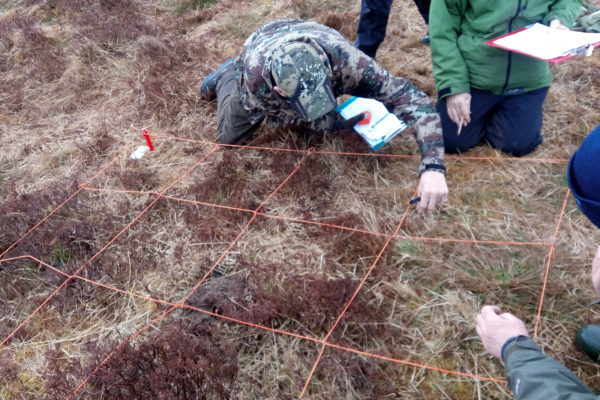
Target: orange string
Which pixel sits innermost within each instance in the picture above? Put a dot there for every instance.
(461, 157)
(547, 269)
(61, 205)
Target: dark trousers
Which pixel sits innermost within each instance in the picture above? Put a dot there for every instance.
(374, 15)
(510, 123)
(234, 123)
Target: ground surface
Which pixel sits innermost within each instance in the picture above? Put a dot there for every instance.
(269, 272)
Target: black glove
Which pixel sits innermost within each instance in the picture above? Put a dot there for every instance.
(346, 124)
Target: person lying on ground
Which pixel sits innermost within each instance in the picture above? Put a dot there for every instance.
(531, 374)
(290, 72)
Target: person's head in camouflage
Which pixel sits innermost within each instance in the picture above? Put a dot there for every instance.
(583, 176)
(300, 74)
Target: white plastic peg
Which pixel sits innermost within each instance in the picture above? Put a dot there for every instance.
(139, 152)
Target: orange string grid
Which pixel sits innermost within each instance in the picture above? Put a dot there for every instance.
(59, 288)
(238, 321)
(61, 205)
(349, 303)
(324, 341)
(206, 275)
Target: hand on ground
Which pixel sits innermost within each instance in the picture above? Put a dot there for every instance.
(495, 328)
(459, 109)
(432, 190)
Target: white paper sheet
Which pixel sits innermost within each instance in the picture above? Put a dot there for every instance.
(383, 125)
(547, 43)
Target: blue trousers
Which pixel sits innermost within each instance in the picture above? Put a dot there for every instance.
(374, 15)
(510, 123)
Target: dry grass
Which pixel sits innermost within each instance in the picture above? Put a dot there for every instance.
(78, 80)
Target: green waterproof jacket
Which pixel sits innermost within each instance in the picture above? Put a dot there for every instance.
(461, 59)
(532, 375)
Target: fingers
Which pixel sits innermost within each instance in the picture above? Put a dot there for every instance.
(433, 190)
(596, 281)
(423, 204)
(453, 113)
(596, 271)
(490, 311)
(465, 109)
(596, 262)
(429, 201)
(556, 24)
(459, 109)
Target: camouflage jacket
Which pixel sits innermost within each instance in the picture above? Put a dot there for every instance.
(351, 73)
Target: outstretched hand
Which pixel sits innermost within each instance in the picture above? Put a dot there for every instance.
(433, 190)
(495, 328)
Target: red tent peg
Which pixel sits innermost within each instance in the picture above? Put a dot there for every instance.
(146, 134)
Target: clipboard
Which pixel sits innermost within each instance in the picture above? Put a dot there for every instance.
(545, 43)
(379, 125)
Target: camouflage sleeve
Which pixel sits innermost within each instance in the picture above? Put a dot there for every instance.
(363, 77)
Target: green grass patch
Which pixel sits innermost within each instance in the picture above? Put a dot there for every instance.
(60, 256)
(183, 6)
(406, 248)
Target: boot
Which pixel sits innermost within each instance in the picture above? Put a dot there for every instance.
(588, 340)
(208, 87)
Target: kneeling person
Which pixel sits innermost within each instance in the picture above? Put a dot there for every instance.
(290, 72)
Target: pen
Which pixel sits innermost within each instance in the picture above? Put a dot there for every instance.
(459, 127)
(415, 200)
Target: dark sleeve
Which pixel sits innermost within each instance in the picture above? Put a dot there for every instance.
(532, 375)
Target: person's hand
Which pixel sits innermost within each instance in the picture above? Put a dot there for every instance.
(556, 24)
(495, 328)
(596, 271)
(432, 190)
(459, 109)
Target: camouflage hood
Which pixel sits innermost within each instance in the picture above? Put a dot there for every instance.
(300, 71)
(262, 54)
